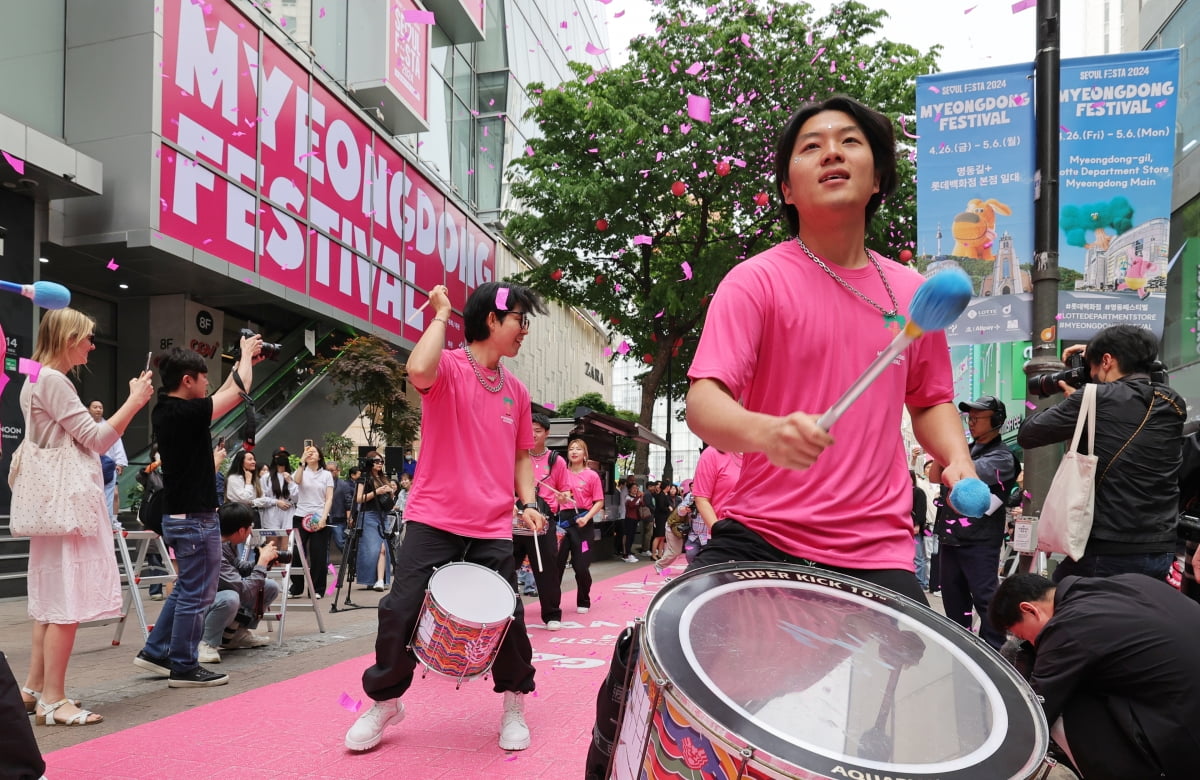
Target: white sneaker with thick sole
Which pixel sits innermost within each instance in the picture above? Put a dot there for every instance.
(514, 734)
(207, 654)
(553, 625)
(582, 610)
(367, 731)
(243, 639)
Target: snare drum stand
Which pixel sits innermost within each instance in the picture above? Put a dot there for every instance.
(347, 571)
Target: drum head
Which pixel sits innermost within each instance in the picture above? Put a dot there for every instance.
(834, 676)
(472, 593)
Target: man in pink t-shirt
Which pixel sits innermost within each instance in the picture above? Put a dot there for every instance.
(787, 332)
(550, 475)
(716, 476)
(476, 434)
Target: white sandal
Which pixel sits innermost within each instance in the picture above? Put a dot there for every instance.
(31, 706)
(46, 717)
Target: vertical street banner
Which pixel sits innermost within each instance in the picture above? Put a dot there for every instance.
(1116, 152)
(975, 157)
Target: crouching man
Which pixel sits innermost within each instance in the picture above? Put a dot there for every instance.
(243, 592)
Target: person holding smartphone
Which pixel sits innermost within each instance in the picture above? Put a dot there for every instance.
(314, 497)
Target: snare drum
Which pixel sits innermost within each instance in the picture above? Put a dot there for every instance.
(779, 671)
(465, 616)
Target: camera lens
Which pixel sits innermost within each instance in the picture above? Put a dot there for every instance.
(284, 557)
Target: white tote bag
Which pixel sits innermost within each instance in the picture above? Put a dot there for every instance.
(1066, 519)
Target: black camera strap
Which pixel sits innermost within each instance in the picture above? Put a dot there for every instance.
(250, 427)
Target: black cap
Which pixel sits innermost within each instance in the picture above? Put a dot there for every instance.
(985, 403)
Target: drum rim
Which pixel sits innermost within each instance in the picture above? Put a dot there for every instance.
(471, 623)
(712, 718)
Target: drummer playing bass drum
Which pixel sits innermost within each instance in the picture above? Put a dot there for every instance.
(471, 403)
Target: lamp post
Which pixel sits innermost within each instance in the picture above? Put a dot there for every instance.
(668, 473)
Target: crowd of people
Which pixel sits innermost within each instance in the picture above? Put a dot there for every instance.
(1100, 639)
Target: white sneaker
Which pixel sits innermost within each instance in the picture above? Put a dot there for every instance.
(630, 559)
(379, 585)
(514, 734)
(367, 731)
(582, 610)
(244, 638)
(208, 654)
(553, 625)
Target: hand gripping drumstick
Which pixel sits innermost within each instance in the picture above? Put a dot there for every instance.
(937, 303)
(47, 295)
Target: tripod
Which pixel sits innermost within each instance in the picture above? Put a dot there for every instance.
(347, 570)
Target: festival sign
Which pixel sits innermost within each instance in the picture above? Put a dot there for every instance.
(976, 191)
(408, 58)
(264, 167)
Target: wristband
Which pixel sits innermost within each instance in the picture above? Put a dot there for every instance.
(443, 320)
(528, 506)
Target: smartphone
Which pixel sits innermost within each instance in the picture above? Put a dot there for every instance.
(148, 356)
(308, 443)
(221, 442)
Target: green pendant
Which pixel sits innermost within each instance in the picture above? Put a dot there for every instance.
(893, 322)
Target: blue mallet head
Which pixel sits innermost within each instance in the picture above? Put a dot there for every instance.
(940, 300)
(50, 295)
(971, 497)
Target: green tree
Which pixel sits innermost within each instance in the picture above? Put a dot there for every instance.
(339, 449)
(599, 212)
(368, 374)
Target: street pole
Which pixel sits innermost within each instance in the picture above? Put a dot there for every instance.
(1040, 463)
(668, 473)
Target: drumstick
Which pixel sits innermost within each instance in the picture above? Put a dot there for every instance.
(537, 550)
(420, 309)
(937, 303)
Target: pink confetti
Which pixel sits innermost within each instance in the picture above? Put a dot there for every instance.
(969, 10)
(583, 547)
(30, 368)
(112, 265)
(17, 163)
(623, 347)
(1160, 104)
(414, 16)
(817, 56)
(904, 129)
(1063, 128)
(551, 407)
(695, 68)
(608, 352)
(593, 49)
(1030, 405)
(935, 89)
(502, 299)
(1022, 5)
(699, 108)
(321, 14)
(349, 703)
(641, 239)
(529, 150)
(660, 314)
(687, 270)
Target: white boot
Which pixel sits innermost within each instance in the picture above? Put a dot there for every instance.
(514, 734)
(367, 731)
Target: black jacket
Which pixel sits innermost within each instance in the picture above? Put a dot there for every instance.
(1119, 649)
(998, 467)
(1137, 490)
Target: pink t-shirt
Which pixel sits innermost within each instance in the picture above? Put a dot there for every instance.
(550, 480)
(716, 476)
(784, 337)
(585, 487)
(469, 443)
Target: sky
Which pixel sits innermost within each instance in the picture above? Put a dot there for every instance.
(973, 33)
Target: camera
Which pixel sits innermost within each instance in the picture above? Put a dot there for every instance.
(1076, 375)
(283, 557)
(269, 350)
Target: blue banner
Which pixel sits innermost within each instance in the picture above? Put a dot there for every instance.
(975, 165)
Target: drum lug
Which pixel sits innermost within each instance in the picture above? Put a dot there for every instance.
(746, 753)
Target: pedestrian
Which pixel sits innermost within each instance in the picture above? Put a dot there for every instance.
(550, 475)
(578, 511)
(181, 419)
(343, 503)
(1139, 440)
(470, 404)
(279, 486)
(634, 504)
(116, 454)
(314, 488)
(72, 579)
(970, 548)
(376, 500)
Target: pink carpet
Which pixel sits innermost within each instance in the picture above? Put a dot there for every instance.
(295, 728)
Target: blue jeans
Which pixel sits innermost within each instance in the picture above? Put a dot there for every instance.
(225, 608)
(196, 539)
(1154, 565)
(339, 535)
(921, 561)
(370, 542)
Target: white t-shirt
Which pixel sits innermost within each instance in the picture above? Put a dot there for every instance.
(311, 492)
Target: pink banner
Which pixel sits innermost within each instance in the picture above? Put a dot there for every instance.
(330, 209)
(408, 57)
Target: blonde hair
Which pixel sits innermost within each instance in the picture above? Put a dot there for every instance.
(60, 330)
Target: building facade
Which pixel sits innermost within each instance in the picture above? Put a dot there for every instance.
(304, 169)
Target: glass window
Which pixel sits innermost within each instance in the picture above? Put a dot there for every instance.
(461, 81)
(492, 91)
(434, 147)
(490, 173)
(462, 155)
(328, 34)
(492, 53)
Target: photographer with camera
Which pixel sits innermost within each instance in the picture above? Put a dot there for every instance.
(243, 591)
(1139, 435)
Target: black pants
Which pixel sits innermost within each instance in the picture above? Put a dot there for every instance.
(578, 545)
(547, 576)
(19, 754)
(970, 576)
(629, 533)
(316, 547)
(424, 549)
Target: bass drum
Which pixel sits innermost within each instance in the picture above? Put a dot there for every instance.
(783, 671)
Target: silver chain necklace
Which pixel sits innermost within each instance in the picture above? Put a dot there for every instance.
(889, 317)
(490, 387)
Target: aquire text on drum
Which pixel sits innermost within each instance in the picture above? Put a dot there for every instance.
(825, 582)
(858, 774)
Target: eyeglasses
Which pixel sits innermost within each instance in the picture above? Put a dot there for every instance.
(377, 460)
(524, 318)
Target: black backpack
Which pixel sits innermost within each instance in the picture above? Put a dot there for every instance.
(150, 511)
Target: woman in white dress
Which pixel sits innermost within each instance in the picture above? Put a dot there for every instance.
(242, 485)
(280, 488)
(72, 579)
